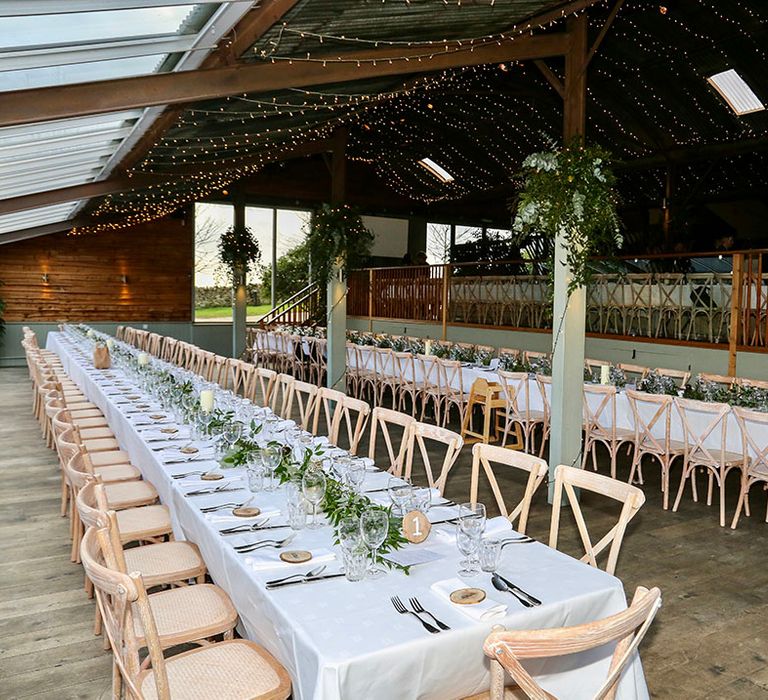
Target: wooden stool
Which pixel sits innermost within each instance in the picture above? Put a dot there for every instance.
(487, 395)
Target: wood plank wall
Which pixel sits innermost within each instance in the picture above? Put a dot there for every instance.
(85, 275)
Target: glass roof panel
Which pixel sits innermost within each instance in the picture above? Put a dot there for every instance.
(36, 217)
(71, 28)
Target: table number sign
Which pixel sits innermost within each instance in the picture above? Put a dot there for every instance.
(416, 526)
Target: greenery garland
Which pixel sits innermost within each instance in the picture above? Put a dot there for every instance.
(337, 233)
(570, 191)
(239, 251)
(2, 315)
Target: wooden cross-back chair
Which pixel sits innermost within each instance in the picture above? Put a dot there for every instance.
(120, 332)
(154, 344)
(418, 434)
(567, 479)
(702, 419)
(429, 386)
(280, 401)
(353, 369)
(318, 359)
(508, 649)
(382, 421)
(600, 424)
(303, 396)
(240, 376)
(485, 456)
(451, 383)
(723, 379)
(386, 375)
(753, 426)
(220, 371)
(406, 378)
(652, 417)
(544, 383)
(755, 383)
(680, 376)
(635, 373)
(365, 358)
(326, 404)
(518, 415)
(261, 386)
(242, 667)
(350, 419)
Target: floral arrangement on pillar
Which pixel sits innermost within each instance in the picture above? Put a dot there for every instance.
(239, 253)
(337, 234)
(569, 190)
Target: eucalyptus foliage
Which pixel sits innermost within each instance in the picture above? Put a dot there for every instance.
(570, 191)
(239, 250)
(337, 234)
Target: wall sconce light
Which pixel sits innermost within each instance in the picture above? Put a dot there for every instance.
(45, 278)
(124, 279)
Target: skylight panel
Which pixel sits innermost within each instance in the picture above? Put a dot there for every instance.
(739, 96)
(437, 170)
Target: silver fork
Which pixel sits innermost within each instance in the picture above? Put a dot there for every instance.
(403, 611)
(264, 544)
(419, 608)
(221, 506)
(310, 574)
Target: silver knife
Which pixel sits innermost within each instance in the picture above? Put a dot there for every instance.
(533, 600)
(302, 580)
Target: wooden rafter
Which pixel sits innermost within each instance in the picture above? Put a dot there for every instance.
(61, 102)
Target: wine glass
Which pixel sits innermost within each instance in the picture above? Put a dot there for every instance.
(468, 544)
(421, 499)
(271, 455)
(313, 486)
(374, 525)
(355, 474)
(400, 491)
(349, 534)
(232, 432)
(472, 518)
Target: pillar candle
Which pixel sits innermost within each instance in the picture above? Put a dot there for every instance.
(206, 400)
(427, 347)
(110, 344)
(605, 374)
(143, 359)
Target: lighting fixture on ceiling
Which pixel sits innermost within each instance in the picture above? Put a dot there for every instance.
(437, 170)
(732, 88)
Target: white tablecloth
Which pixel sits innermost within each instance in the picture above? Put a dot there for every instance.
(345, 640)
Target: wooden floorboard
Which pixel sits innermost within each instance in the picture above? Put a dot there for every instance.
(710, 639)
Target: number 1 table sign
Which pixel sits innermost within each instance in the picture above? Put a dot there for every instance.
(416, 526)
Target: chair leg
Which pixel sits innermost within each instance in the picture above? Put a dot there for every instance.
(686, 472)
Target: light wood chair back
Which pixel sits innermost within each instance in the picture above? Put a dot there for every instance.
(718, 379)
(652, 417)
(702, 419)
(280, 401)
(753, 426)
(567, 479)
(418, 434)
(451, 383)
(754, 383)
(600, 410)
(484, 455)
(382, 421)
(327, 403)
(532, 356)
(636, 373)
(680, 376)
(262, 384)
(154, 344)
(304, 395)
(241, 376)
(349, 423)
(507, 649)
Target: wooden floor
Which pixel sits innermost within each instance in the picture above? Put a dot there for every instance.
(710, 639)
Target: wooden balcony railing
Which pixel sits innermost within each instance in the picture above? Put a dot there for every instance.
(706, 298)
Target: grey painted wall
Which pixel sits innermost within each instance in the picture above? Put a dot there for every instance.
(656, 354)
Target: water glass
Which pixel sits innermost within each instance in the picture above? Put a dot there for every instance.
(313, 486)
(468, 544)
(400, 491)
(297, 515)
(374, 526)
(356, 562)
(472, 518)
(489, 554)
(349, 534)
(256, 474)
(355, 474)
(421, 499)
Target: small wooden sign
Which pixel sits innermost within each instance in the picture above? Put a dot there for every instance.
(468, 596)
(416, 526)
(249, 512)
(298, 556)
(212, 476)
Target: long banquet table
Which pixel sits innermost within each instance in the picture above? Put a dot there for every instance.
(345, 640)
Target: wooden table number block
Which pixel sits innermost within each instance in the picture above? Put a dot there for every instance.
(416, 526)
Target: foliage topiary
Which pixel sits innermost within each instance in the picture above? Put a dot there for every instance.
(239, 251)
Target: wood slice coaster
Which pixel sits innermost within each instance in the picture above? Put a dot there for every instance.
(212, 476)
(169, 431)
(189, 450)
(468, 596)
(132, 397)
(416, 526)
(142, 405)
(298, 556)
(156, 416)
(248, 512)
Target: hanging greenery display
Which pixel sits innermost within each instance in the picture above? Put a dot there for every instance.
(337, 233)
(2, 314)
(570, 191)
(239, 251)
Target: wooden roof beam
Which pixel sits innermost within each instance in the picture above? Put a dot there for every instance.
(61, 102)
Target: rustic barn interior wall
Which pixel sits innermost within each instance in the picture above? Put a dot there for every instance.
(142, 273)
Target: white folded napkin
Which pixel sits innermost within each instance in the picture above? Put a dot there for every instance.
(269, 558)
(181, 433)
(222, 519)
(198, 483)
(488, 610)
(493, 527)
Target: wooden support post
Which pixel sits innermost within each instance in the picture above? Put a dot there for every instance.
(669, 193)
(240, 292)
(734, 327)
(371, 276)
(273, 295)
(569, 310)
(445, 299)
(337, 286)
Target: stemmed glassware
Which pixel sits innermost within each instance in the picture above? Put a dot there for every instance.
(401, 492)
(270, 457)
(313, 485)
(355, 474)
(471, 524)
(374, 525)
